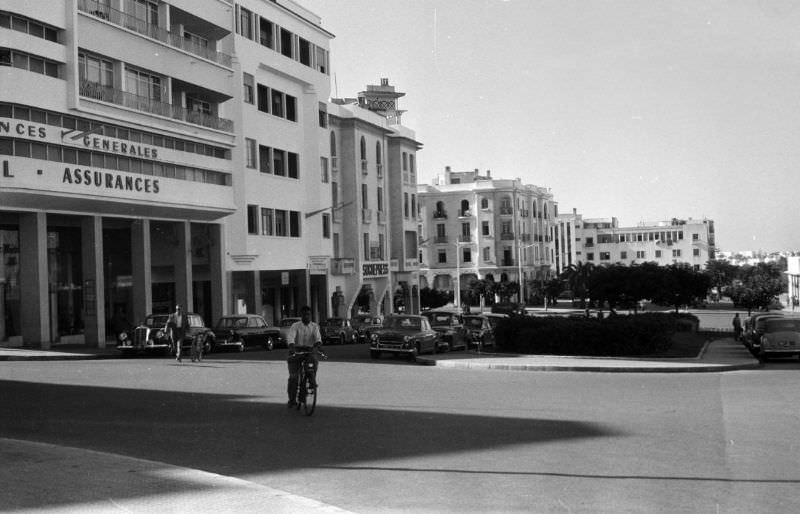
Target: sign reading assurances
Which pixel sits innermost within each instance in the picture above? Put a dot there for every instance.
(374, 269)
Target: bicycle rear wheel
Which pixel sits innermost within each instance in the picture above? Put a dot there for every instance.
(310, 400)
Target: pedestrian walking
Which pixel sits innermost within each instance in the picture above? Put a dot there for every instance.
(176, 328)
(737, 327)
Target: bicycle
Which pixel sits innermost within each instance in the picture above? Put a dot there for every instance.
(307, 386)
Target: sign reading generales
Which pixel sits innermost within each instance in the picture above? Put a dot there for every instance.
(374, 269)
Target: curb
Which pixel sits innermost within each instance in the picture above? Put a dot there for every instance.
(703, 368)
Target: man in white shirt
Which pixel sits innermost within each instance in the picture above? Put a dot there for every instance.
(303, 336)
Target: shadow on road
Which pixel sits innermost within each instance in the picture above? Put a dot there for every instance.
(243, 435)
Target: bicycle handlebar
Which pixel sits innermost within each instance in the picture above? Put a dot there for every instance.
(307, 352)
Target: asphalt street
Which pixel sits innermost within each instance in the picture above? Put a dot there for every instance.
(390, 436)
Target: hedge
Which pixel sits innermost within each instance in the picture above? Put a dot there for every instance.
(636, 335)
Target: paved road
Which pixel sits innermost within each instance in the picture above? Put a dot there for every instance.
(390, 436)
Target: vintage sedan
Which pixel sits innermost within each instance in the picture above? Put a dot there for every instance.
(284, 326)
(754, 328)
(780, 338)
(364, 323)
(151, 335)
(337, 330)
(453, 335)
(403, 334)
(481, 330)
(239, 331)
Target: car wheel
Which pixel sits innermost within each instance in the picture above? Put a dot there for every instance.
(270, 344)
(375, 354)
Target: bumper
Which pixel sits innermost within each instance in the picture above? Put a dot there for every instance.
(228, 343)
(405, 348)
(149, 345)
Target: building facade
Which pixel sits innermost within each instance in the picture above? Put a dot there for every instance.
(603, 241)
(473, 226)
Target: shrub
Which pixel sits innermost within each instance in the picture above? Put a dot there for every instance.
(641, 334)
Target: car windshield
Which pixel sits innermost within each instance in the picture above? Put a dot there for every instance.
(195, 321)
(438, 318)
(232, 323)
(474, 322)
(407, 323)
(783, 325)
(156, 321)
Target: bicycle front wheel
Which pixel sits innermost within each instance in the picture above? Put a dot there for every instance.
(310, 401)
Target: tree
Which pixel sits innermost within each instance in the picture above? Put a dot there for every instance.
(757, 287)
(505, 290)
(577, 279)
(681, 285)
(432, 298)
(721, 274)
(483, 288)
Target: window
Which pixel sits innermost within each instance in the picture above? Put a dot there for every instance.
(144, 10)
(442, 256)
(326, 225)
(676, 253)
(286, 43)
(413, 204)
(263, 159)
(294, 224)
(291, 108)
(696, 252)
(294, 166)
(467, 255)
(278, 162)
(263, 98)
(365, 239)
(143, 84)
(323, 118)
(280, 223)
(412, 169)
(250, 152)
(322, 60)
(249, 89)
(484, 203)
(380, 199)
(31, 27)
(605, 256)
(252, 219)
(485, 228)
(96, 69)
(405, 161)
(267, 221)
(695, 237)
(323, 168)
(277, 103)
(487, 253)
(363, 148)
(266, 33)
(440, 230)
(364, 197)
(658, 254)
(245, 23)
(623, 255)
(305, 51)
(590, 256)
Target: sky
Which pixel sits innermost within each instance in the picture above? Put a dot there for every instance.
(640, 110)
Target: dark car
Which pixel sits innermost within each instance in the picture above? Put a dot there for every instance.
(453, 335)
(337, 330)
(151, 335)
(364, 323)
(239, 331)
(780, 338)
(480, 328)
(403, 334)
(754, 328)
(284, 326)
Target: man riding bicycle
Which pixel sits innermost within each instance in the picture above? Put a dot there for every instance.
(303, 336)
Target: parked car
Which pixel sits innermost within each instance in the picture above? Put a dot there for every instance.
(754, 329)
(509, 308)
(364, 323)
(151, 335)
(403, 334)
(238, 331)
(337, 330)
(284, 326)
(480, 329)
(780, 338)
(453, 335)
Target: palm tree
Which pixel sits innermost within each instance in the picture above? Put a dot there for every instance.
(577, 279)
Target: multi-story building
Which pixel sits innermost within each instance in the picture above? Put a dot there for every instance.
(603, 241)
(154, 153)
(474, 226)
(373, 187)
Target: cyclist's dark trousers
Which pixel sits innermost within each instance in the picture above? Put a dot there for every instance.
(295, 361)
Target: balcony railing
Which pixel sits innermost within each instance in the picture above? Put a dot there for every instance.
(335, 164)
(507, 236)
(366, 215)
(103, 11)
(465, 238)
(364, 166)
(379, 168)
(441, 239)
(466, 213)
(524, 213)
(96, 91)
(506, 211)
(439, 215)
(382, 217)
(507, 262)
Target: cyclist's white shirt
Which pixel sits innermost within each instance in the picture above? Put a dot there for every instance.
(301, 334)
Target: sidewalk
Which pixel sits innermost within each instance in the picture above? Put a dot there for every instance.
(718, 355)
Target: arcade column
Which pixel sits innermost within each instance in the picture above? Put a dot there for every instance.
(94, 306)
(141, 269)
(35, 300)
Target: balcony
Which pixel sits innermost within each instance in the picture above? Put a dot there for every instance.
(364, 169)
(465, 238)
(507, 236)
(382, 217)
(441, 239)
(439, 215)
(173, 39)
(525, 237)
(96, 91)
(465, 213)
(335, 164)
(506, 211)
(524, 213)
(366, 215)
(507, 262)
(379, 168)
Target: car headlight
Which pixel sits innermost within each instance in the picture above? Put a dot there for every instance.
(374, 338)
(160, 334)
(123, 336)
(406, 339)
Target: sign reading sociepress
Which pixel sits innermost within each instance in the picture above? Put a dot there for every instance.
(374, 269)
